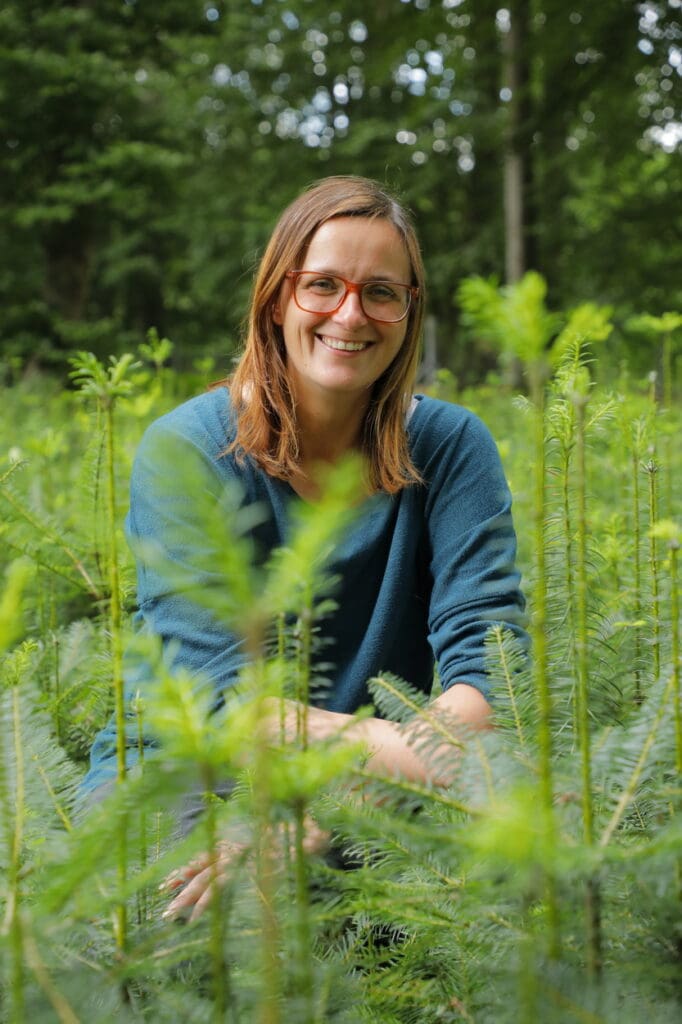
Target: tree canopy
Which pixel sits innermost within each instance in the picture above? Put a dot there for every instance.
(150, 147)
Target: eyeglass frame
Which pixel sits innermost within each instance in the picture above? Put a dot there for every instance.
(356, 288)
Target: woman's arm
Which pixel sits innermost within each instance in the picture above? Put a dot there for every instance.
(394, 749)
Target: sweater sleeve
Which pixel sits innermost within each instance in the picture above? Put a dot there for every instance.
(183, 504)
(180, 525)
(472, 548)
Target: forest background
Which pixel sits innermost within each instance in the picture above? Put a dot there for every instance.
(148, 148)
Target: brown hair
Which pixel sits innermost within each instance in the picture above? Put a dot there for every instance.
(266, 418)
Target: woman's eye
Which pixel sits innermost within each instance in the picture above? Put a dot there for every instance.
(380, 292)
(323, 284)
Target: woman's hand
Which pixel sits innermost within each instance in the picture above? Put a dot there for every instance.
(199, 879)
(202, 877)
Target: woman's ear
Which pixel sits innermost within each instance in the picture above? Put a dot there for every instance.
(277, 314)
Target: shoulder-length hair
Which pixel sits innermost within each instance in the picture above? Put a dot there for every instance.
(266, 427)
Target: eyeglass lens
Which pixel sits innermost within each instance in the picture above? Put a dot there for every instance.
(380, 300)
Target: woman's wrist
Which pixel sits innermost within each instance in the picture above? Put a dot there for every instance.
(389, 748)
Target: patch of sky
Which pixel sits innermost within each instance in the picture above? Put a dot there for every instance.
(221, 74)
(357, 30)
(290, 20)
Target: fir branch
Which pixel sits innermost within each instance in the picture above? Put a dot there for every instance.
(53, 796)
(398, 690)
(51, 535)
(505, 658)
(413, 789)
(630, 789)
(58, 1001)
(27, 552)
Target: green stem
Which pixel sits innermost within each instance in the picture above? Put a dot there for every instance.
(97, 493)
(303, 935)
(637, 544)
(581, 638)
(675, 638)
(652, 469)
(540, 655)
(592, 889)
(17, 996)
(677, 701)
(269, 1011)
(142, 896)
(281, 655)
(57, 688)
(303, 938)
(115, 598)
(217, 938)
(528, 972)
(568, 539)
(121, 924)
(303, 674)
(669, 437)
(271, 987)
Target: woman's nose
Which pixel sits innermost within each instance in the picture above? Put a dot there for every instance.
(350, 312)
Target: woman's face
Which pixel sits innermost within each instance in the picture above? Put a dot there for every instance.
(341, 354)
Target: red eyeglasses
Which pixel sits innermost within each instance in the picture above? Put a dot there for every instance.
(387, 302)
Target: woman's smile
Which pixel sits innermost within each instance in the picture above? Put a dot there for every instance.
(341, 345)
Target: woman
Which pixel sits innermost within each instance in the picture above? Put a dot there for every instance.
(329, 368)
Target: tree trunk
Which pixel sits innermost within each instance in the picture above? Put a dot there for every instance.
(516, 155)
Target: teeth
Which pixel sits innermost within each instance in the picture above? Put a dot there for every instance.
(343, 346)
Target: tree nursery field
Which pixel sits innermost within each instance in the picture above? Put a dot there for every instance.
(544, 883)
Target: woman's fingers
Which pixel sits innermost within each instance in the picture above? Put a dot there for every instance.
(200, 878)
(180, 876)
(197, 892)
(205, 898)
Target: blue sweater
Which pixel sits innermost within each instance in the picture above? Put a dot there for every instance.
(422, 574)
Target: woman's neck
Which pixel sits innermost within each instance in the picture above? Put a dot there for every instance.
(326, 434)
(329, 430)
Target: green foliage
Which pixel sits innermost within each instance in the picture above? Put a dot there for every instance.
(106, 384)
(157, 350)
(10, 603)
(445, 911)
(515, 317)
(647, 324)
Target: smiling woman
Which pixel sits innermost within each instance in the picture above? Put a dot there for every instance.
(298, 403)
(328, 368)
